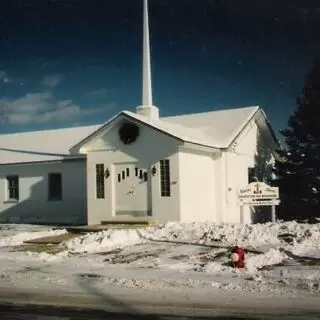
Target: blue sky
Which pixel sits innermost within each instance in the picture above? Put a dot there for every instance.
(67, 63)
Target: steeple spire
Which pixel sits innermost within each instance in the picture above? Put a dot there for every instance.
(147, 85)
(147, 109)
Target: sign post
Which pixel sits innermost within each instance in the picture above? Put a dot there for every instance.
(241, 214)
(273, 213)
(259, 194)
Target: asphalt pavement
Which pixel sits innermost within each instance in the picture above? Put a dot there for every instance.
(44, 312)
(113, 303)
(24, 312)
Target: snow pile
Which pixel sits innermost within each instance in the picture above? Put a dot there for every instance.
(162, 257)
(48, 257)
(308, 244)
(19, 238)
(103, 240)
(300, 237)
(6, 227)
(156, 284)
(272, 257)
(180, 266)
(208, 233)
(214, 267)
(310, 282)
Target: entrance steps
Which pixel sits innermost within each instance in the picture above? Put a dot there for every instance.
(144, 221)
(115, 223)
(51, 239)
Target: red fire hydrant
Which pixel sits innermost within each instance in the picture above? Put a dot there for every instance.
(238, 255)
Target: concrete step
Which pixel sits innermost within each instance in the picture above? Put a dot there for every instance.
(51, 240)
(129, 221)
(104, 227)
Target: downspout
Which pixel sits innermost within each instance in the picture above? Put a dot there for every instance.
(226, 182)
(222, 186)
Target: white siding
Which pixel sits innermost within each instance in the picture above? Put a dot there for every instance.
(237, 161)
(150, 147)
(33, 205)
(253, 147)
(204, 185)
(197, 187)
(220, 186)
(167, 208)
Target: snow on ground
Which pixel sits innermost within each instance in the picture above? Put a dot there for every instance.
(273, 239)
(302, 239)
(12, 235)
(257, 235)
(282, 258)
(104, 240)
(272, 257)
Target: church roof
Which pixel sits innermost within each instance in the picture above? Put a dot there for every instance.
(220, 127)
(216, 129)
(38, 146)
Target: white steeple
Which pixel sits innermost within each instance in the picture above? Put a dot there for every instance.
(147, 109)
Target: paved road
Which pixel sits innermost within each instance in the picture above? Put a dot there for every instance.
(26, 304)
(30, 312)
(36, 312)
(27, 312)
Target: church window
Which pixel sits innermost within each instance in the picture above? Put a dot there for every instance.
(55, 186)
(165, 178)
(100, 181)
(252, 175)
(13, 187)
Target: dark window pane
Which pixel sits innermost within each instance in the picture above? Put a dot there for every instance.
(55, 186)
(251, 175)
(165, 178)
(100, 181)
(13, 187)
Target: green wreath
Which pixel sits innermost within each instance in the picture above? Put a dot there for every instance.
(128, 132)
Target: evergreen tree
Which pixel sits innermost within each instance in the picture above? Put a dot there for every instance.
(298, 166)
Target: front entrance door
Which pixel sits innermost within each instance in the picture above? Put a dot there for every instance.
(132, 190)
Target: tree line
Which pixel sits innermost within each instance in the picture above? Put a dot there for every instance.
(297, 165)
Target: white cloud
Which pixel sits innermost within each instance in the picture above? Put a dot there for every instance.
(98, 93)
(51, 81)
(3, 74)
(43, 108)
(4, 77)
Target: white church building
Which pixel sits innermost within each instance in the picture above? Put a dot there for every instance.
(137, 164)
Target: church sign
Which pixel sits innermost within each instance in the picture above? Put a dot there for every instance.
(259, 194)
